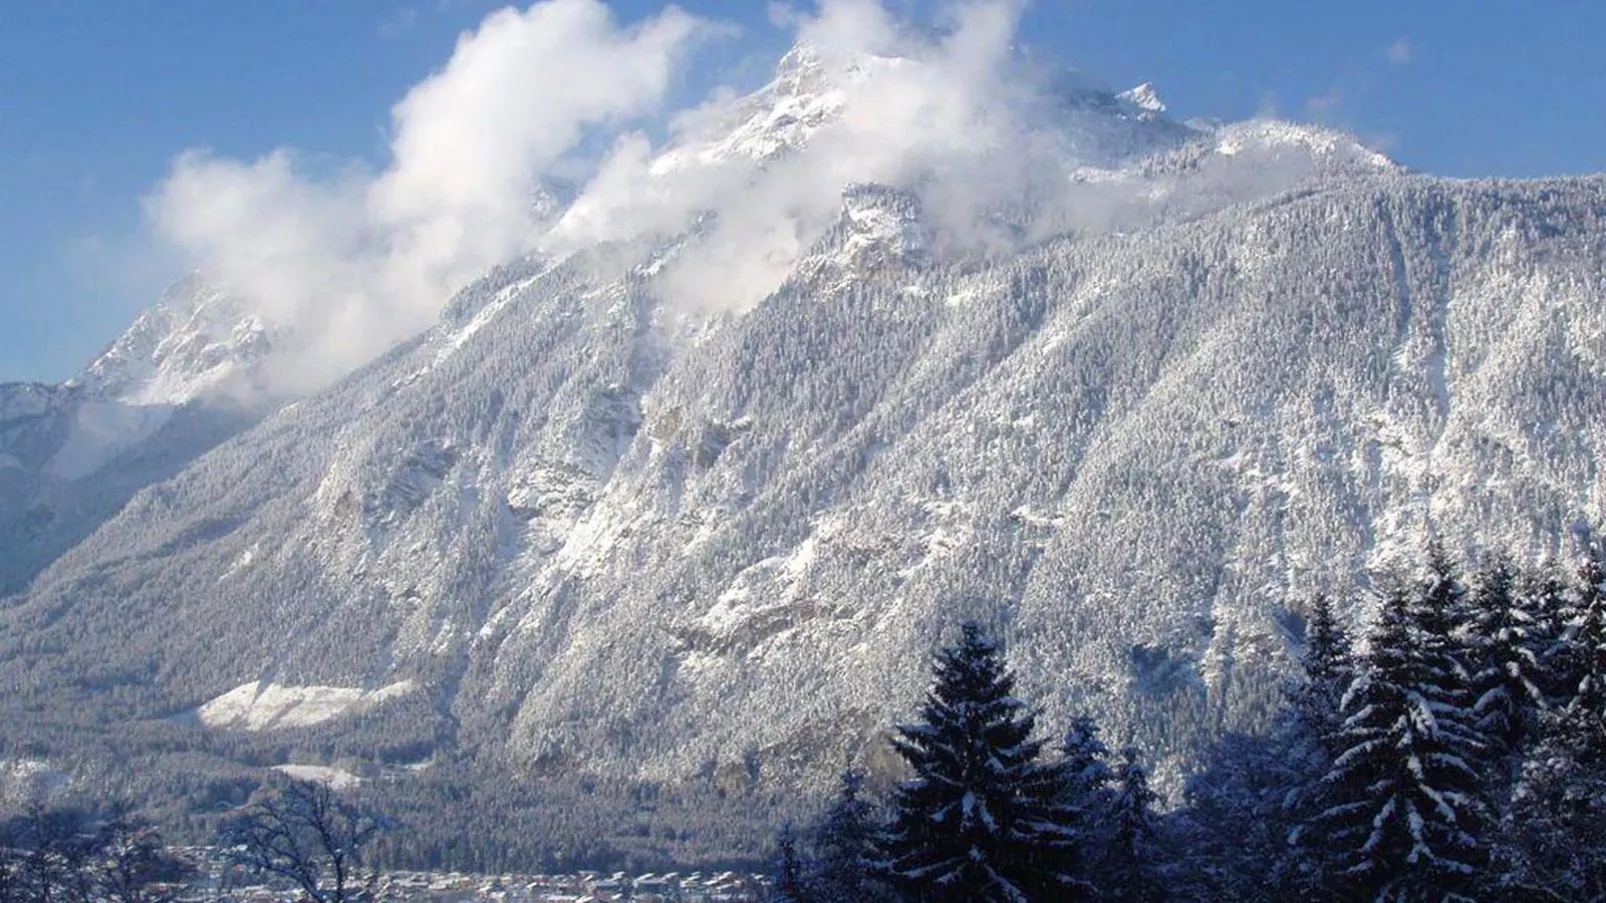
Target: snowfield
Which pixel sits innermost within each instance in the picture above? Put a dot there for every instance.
(256, 706)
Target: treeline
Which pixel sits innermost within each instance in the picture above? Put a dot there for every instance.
(1456, 751)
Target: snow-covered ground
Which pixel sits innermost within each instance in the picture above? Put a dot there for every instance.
(256, 706)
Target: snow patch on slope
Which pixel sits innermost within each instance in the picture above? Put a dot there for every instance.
(257, 706)
(28, 781)
(336, 778)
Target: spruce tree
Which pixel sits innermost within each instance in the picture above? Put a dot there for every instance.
(790, 873)
(1328, 667)
(1085, 760)
(1086, 796)
(1558, 807)
(844, 847)
(1305, 745)
(1548, 601)
(1327, 661)
(1441, 612)
(1405, 808)
(980, 820)
(1579, 660)
(1131, 868)
(1505, 648)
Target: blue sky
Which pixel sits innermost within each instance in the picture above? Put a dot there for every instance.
(97, 98)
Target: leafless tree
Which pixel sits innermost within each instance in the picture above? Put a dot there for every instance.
(76, 856)
(53, 854)
(307, 835)
(134, 865)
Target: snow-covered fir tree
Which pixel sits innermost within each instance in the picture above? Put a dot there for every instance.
(1555, 838)
(1328, 667)
(1087, 787)
(1579, 661)
(981, 819)
(844, 848)
(1588, 636)
(1406, 809)
(1305, 744)
(1442, 612)
(1506, 644)
(1086, 797)
(1130, 871)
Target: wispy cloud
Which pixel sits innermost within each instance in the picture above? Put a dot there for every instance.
(342, 266)
(1401, 52)
(949, 113)
(398, 22)
(1324, 108)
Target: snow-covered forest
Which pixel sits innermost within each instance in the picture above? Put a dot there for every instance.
(1455, 751)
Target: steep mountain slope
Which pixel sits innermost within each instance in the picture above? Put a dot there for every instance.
(164, 391)
(598, 534)
(582, 528)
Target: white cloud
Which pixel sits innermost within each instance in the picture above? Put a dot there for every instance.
(343, 266)
(886, 104)
(1400, 52)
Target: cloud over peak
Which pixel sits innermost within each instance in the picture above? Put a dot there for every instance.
(343, 266)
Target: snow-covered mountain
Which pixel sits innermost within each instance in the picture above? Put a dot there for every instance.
(582, 527)
(174, 384)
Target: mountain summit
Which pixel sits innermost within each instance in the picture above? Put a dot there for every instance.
(176, 382)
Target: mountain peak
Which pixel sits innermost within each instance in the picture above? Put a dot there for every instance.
(195, 339)
(1144, 97)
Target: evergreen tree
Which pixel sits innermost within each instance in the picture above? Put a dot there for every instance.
(1309, 732)
(1086, 797)
(980, 820)
(1305, 746)
(1505, 648)
(1557, 833)
(1580, 656)
(1548, 601)
(1131, 869)
(1441, 612)
(1085, 761)
(844, 847)
(790, 873)
(1405, 811)
(1327, 666)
